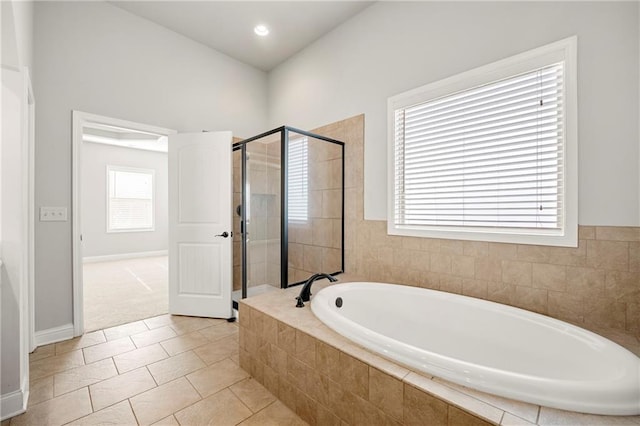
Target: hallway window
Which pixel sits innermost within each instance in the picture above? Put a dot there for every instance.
(130, 200)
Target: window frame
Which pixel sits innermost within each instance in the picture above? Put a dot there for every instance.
(115, 168)
(567, 236)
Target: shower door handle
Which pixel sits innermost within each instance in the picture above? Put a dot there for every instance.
(225, 234)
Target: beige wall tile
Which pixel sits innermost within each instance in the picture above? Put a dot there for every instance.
(451, 284)
(633, 318)
(551, 277)
(605, 312)
(453, 247)
(287, 392)
(440, 263)
(326, 417)
(164, 400)
(286, 338)
(503, 251)
(305, 348)
(332, 203)
(421, 408)
(533, 253)
(463, 266)
(457, 417)
(634, 256)
(618, 233)
(501, 292)
(386, 392)
(586, 232)
(588, 282)
(475, 288)
(608, 255)
(622, 285)
(354, 375)
(517, 273)
(532, 299)
(312, 258)
(306, 408)
(566, 306)
(475, 248)
(488, 269)
(328, 360)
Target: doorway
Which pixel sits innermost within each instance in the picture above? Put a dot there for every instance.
(120, 225)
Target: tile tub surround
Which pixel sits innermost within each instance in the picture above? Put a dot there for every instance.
(327, 379)
(596, 285)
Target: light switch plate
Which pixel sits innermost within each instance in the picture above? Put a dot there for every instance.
(53, 214)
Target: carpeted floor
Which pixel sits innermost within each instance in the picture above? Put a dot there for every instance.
(124, 291)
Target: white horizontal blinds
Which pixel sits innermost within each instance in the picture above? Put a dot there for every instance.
(130, 200)
(490, 156)
(298, 181)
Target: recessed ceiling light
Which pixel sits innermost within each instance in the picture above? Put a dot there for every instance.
(261, 30)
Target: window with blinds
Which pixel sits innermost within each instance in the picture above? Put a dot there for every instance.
(298, 182)
(130, 199)
(487, 158)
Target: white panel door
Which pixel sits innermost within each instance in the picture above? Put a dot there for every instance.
(200, 243)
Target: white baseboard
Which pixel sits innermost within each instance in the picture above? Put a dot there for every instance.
(112, 257)
(13, 403)
(53, 335)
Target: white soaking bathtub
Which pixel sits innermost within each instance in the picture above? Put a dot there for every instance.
(487, 346)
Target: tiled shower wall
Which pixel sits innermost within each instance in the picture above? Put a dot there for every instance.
(314, 245)
(595, 285)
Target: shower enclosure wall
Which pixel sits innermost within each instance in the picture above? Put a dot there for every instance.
(288, 189)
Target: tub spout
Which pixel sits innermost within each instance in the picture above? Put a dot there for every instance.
(305, 293)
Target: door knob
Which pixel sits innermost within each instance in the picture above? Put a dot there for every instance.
(225, 234)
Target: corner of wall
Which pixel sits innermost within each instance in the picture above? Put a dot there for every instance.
(14, 403)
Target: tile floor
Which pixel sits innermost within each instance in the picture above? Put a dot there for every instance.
(165, 370)
(123, 291)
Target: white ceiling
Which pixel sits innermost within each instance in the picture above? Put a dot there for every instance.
(227, 26)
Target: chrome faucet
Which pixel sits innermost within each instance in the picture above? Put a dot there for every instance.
(305, 293)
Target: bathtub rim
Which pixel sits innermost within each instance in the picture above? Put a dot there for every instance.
(325, 296)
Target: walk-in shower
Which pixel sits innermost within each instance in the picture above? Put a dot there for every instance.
(288, 189)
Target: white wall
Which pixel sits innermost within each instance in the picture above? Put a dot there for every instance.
(394, 46)
(16, 53)
(97, 58)
(96, 241)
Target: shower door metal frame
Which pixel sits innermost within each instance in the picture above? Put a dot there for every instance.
(284, 199)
